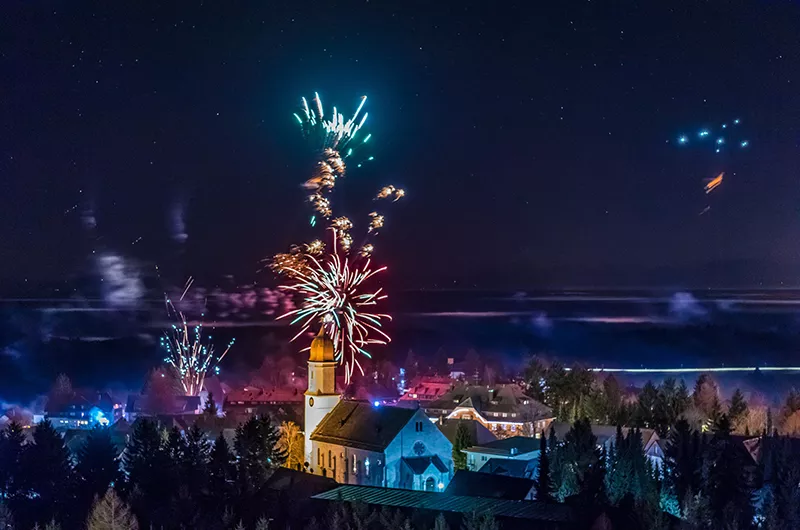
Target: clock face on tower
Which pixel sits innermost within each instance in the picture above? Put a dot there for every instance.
(311, 402)
(419, 448)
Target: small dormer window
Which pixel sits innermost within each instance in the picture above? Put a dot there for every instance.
(514, 450)
(525, 402)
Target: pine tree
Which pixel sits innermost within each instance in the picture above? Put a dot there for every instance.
(150, 474)
(46, 478)
(727, 484)
(543, 486)
(463, 440)
(257, 449)
(646, 406)
(194, 465)
(110, 513)
(737, 412)
(439, 524)
(262, 524)
(573, 459)
(683, 459)
(12, 440)
(221, 471)
(97, 466)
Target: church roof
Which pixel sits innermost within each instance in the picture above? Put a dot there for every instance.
(419, 464)
(360, 425)
(424, 500)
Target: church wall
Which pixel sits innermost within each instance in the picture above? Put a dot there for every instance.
(433, 443)
(333, 464)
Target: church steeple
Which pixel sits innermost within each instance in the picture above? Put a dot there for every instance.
(322, 349)
(321, 395)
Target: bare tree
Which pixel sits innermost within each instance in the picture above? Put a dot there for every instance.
(110, 513)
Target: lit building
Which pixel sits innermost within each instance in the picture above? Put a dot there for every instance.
(503, 409)
(83, 410)
(364, 443)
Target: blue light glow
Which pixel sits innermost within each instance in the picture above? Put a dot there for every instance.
(682, 139)
(376, 403)
(720, 141)
(744, 144)
(704, 133)
(736, 121)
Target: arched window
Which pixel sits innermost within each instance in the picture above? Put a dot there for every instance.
(430, 484)
(366, 467)
(319, 458)
(329, 458)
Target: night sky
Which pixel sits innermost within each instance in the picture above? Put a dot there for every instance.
(536, 141)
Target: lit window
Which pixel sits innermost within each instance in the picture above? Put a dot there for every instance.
(505, 414)
(355, 465)
(366, 466)
(513, 414)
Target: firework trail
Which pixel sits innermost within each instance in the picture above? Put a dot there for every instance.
(331, 282)
(188, 353)
(334, 294)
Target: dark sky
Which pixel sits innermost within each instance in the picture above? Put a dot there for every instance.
(535, 140)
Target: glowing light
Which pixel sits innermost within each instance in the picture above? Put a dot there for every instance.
(704, 133)
(683, 139)
(376, 403)
(736, 121)
(745, 143)
(720, 141)
(367, 137)
(188, 353)
(313, 221)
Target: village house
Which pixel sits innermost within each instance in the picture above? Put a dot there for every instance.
(503, 409)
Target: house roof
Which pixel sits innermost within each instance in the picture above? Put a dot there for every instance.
(424, 500)
(300, 484)
(81, 400)
(604, 433)
(428, 389)
(510, 467)
(507, 446)
(472, 483)
(359, 425)
(419, 464)
(477, 432)
(499, 398)
(252, 394)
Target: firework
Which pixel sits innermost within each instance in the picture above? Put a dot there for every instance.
(375, 222)
(334, 293)
(332, 282)
(190, 354)
(713, 183)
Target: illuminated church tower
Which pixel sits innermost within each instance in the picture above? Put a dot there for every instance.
(321, 395)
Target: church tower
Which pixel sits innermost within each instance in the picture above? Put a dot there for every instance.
(321, 395)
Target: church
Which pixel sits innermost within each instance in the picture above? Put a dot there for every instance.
(361, 443)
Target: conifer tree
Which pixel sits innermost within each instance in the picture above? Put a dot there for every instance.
(12, 440)
(462, 441)
(149, 470)
(257, 452)
(46, 478)
(97, 466)
(544, 488)
(737, 412)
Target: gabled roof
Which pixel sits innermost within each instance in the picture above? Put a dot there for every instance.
(477, 432)
(511, 467)
(472, 483)
(298, 483)
(359, 425)
(418, 464)
(438, 502)
(506, 398)
(507, 446)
